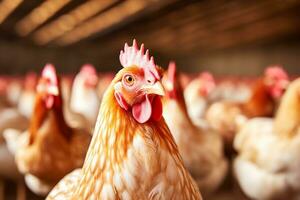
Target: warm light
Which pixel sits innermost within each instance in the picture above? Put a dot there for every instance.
(103, 21)
(68, 21)
(7, 7)
(39, 15)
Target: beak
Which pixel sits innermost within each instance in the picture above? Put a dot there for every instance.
(53, 90)
(157, 88)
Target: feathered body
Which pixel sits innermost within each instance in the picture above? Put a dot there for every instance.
(201, 148)
(268, 162)
(131, 156)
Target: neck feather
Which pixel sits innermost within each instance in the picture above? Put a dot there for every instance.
(260, 102)
(113, 136)
(41, 114)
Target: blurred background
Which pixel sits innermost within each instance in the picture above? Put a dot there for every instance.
(225, 37)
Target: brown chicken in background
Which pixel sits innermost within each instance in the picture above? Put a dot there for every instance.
(201, 148)
(49, 149)
(132, 154)
(226, 117)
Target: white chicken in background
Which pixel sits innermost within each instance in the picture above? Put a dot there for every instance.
(75, 120)
(197, 97)
(201, 149)
(84, 98)
(17, 118)
(26, 100)
(232, 90)
(268, 161)
(14, 90)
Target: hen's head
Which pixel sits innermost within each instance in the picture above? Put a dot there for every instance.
(137, 87)
(207, 83)
(89, 75)
(276, 80)
(48, 87)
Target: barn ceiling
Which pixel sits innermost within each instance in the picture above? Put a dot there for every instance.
(170, 28)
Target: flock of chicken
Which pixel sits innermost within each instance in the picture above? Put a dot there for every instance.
(156, 135)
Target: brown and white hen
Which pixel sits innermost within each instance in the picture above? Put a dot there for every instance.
(132, 154)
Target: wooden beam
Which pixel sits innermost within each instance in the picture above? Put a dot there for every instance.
(120, 13)
(7, 7)
(201, 33)
(39, 15)
(70, 20)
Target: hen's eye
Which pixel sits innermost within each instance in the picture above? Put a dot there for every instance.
(129, 80)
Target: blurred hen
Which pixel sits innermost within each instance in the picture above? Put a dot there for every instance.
(49, 149)
(268, 162)
(226, 117)
(201, 149)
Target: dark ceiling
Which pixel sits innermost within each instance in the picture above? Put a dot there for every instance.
(176, 29)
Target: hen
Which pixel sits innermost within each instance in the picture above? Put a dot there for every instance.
(201, 149)
(268, 162)
(132, 154)
(16, 118)
(73, 119)
(197, 95)
(84, 98)
(26, 99)
(226, 117)
(49, 149)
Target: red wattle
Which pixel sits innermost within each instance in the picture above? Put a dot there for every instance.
(150, 108)
(49, 101)
(142, 111)
(157, 108)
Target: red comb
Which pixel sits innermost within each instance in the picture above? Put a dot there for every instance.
(132, 55)
(276, 70)
(49, 72)
(88, 69)
(207, 76)
(209, 83)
